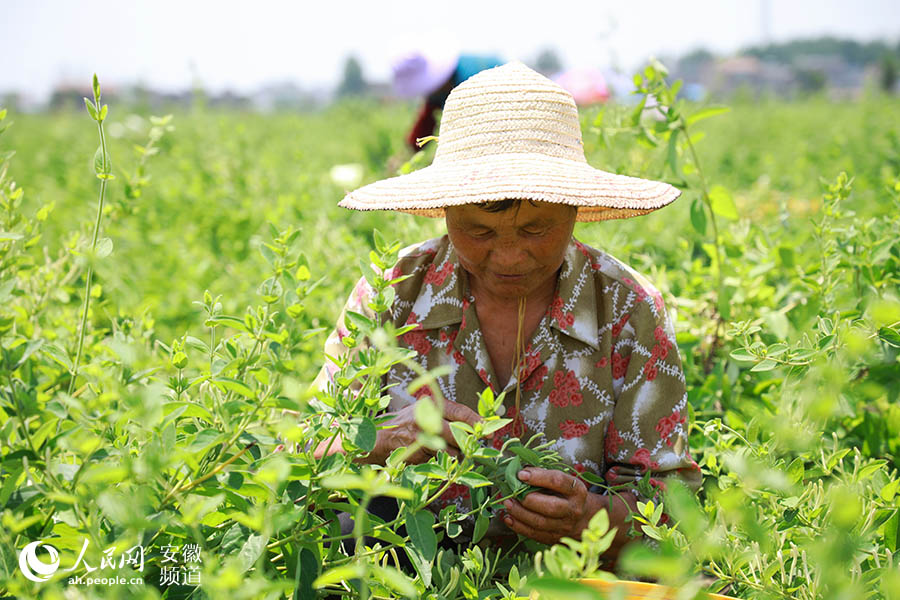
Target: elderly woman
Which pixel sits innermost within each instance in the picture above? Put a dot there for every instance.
(598, 372)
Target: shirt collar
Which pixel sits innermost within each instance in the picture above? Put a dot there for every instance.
(574, 309)
(573, 312)
(440, 299)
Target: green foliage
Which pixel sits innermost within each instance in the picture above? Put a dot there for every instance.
(154, 384)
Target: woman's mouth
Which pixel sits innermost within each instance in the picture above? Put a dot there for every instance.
(509, 276)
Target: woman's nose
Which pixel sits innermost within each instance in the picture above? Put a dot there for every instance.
(508, 255)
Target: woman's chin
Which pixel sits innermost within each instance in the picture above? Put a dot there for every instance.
(511, 287)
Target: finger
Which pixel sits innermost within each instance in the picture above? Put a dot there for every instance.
(554, 480)
(454, 453)
(533, 519)
(418, 457)
(454, 411)
(549, 506)
(523, 529)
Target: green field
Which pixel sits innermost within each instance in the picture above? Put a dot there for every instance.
(788, 324)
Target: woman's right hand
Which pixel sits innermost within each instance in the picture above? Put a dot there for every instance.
(402, 431)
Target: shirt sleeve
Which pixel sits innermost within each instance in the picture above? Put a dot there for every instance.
(649, 429)
(335, 345)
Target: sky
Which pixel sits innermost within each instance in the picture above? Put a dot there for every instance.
(242, 45)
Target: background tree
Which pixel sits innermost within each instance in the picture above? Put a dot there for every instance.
(548, 62)
(888, 69)
(353, 83)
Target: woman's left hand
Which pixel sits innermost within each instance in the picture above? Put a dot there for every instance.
(548, 518)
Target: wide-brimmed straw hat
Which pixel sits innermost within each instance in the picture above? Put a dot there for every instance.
(506, 133)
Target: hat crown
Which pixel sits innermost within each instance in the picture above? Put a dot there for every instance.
(509, 109)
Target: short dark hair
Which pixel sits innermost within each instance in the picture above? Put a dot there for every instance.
(503, 205)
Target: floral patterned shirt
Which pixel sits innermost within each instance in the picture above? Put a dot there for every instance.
(602, 377)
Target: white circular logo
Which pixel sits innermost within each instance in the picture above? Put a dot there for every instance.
(34, 568)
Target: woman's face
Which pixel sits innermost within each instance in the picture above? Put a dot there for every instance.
(512, 253)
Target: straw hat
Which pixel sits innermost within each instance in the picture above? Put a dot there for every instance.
(509, 132)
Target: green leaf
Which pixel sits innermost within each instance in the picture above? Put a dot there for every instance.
(30, 348)
(486, 402)
(889, 336)
(8, 236)
(95, 85)
(870, 469)
(796, 470)
(511, 473)
(233, 385)
(528, 456)
(705, 113)
(698, 216)
(268, 254)
(228, 321)
(360, 320)
(395, 580)
(92, 110)
(766, 365)
(641, 560)
(489, 427)
(104, 248)
(57, 354)
(339, 574)
(419, 526)
(431, 469)
(428, 417)
(638, 110)
(307, 571)
(887, 492)
(345, 481)
(892, 532)
(837, 457)
(11, 483)
(362, 433)
(722, 203)
(474, 480)
(743, 355)
(422, 566)
(481, 527)
(458, 429)
(514, 579)
(453, 529)
(103, 112)
(672, 154)
(553, 588)
(101, 161)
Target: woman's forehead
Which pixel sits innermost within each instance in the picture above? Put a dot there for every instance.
(521, 213)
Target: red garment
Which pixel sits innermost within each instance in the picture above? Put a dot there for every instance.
(424, 125)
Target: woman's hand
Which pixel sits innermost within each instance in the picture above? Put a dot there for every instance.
(547, 518)
(402, 430)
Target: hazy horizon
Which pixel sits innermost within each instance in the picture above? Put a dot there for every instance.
(226, 46)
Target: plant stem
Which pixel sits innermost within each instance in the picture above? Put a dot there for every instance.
(199, 480)
(359, 547)
(90, 272)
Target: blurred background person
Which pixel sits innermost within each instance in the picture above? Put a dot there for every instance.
(431, 74)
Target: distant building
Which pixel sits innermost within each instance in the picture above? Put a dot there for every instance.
(730, 74)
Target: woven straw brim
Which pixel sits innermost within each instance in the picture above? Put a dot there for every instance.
(597, 194)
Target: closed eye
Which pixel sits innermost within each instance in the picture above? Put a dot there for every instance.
(534, 231)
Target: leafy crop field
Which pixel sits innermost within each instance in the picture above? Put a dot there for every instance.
(152, 365)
